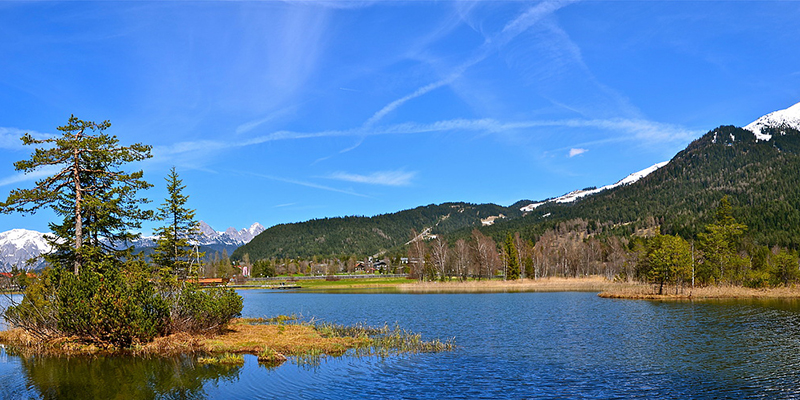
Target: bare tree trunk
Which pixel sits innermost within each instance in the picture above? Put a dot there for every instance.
(78, 215)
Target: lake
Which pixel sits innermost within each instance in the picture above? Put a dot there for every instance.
(510, 345)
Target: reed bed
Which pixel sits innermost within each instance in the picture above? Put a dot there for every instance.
(554, 284)
(223, 359)
(385, 340)
(646, 291)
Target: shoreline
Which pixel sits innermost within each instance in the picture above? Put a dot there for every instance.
(647, 292)
(604, 287)
(582, 284)
(272, 340)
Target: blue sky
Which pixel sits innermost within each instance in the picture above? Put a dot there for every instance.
(278, 112)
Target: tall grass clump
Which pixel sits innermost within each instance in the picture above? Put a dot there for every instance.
(385, 340)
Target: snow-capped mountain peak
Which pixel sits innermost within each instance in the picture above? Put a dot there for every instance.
(577, 194)
(19, 245)
(789, 117)
(256, 228)
(229, 236)
(207, 230)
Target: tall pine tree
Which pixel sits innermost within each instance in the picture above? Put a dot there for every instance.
(95, 198)
(512, 259)
(718, 244)
(174, 251)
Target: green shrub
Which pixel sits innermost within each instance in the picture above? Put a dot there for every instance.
(758, 279)
(110, 306)
(37, 312)
(196, 310)
(105, 305)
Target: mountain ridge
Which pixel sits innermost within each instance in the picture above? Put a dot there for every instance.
(758, 169)
(786, 118)
(19, 245)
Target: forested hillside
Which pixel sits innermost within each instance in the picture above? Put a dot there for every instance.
(761, 178)
(360, 236)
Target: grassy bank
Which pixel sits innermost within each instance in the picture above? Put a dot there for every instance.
(341, 284)
(272, 340)
(404, 285)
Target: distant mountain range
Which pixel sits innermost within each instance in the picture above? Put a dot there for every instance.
(757, 166)
(19, 245)
(210, 237)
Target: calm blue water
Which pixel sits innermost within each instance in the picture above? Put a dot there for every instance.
(512, 345)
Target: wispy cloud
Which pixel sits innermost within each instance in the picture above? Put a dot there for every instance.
(576, 151)
(529, 18)
(342, 151)
(307, 184)
(387, 178)
(9, 137)
(399, 102)
(39, 173)
(336, 4)
(515, 27)
(250, 125)
(648, 132)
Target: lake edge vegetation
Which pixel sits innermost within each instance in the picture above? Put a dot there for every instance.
(272, 340)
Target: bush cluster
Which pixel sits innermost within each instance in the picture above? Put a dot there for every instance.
(110, 306)
(204, 310)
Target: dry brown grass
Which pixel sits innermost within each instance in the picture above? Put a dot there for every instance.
(61, 346)
(585, 284)
(242, 336)
(288, 339)
(645, 291)
(607, 289)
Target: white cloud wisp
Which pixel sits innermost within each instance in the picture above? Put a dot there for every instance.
(576, 151)
(386, 178)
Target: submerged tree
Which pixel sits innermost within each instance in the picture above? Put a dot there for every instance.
(89, 190)
(173, 252)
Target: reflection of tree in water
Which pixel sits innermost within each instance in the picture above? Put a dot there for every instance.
(123, 377)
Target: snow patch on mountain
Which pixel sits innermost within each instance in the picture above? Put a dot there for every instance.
(577, 194)
(490, 220)
(532, 206)
(789, 118)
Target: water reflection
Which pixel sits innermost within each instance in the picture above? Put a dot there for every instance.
(123, 377)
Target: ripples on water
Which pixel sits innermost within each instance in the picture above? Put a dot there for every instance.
(517, 345)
